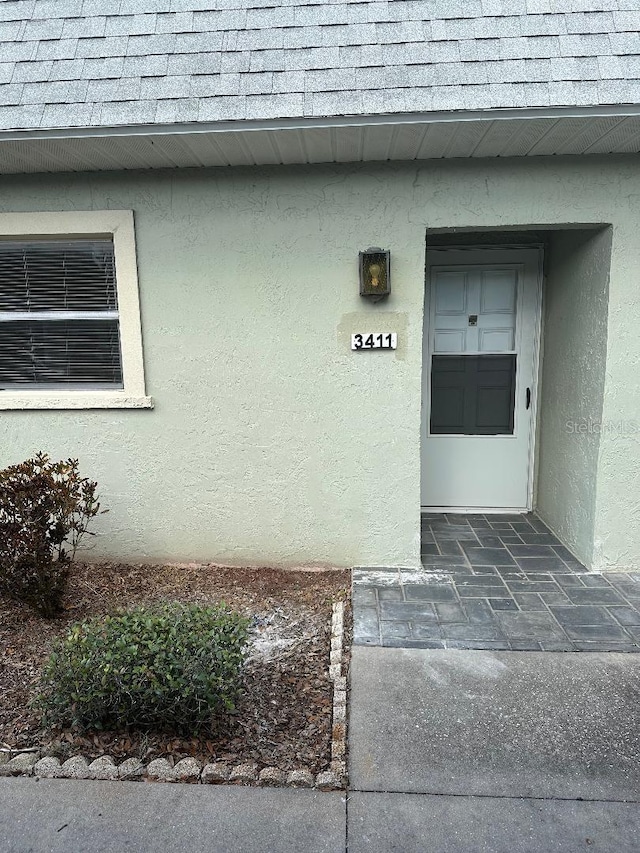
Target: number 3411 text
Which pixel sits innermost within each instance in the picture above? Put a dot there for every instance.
(374, 340)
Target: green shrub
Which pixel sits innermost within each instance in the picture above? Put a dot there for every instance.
(45, 510)
(170, 667)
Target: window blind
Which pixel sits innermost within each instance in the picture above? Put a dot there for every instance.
(59, 323)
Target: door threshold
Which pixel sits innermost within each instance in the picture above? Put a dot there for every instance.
(478, 510)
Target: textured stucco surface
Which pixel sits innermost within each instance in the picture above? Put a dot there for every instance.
(572, 384)
(270, 441)
(617, 516)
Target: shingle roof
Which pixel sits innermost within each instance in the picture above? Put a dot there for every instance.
(120, 62)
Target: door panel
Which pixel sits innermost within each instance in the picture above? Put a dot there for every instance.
(481, 320)
(472, 394)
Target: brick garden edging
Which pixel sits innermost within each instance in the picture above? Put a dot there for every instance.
(30, 762)
(339, 715)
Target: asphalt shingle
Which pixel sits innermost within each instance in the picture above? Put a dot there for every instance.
(132, 61)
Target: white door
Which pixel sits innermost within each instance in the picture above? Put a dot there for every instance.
(482, 310)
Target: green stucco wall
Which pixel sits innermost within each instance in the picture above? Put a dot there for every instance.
(572, 384)
(270, 441)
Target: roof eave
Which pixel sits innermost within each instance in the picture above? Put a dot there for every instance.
(355, 138)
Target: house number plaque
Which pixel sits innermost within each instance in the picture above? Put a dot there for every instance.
(374, 340)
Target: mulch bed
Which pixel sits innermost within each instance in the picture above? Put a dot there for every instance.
(283, 718)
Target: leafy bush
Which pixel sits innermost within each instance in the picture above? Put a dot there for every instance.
(168, 667)
(45, 510)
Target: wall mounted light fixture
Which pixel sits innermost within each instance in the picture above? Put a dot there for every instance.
(375, 273)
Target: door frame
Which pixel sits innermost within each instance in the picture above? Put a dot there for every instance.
(537, 346)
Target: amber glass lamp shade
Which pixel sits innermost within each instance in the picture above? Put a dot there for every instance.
(375, 278)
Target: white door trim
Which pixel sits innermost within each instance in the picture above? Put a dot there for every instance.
(452, 255)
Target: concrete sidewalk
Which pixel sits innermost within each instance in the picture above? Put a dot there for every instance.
(450, 752)
(503, 752)
(69, 816)
(66, 816)
(500, 724)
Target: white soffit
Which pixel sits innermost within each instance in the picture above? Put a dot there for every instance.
(377, 138)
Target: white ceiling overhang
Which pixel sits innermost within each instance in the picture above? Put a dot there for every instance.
(500, 133)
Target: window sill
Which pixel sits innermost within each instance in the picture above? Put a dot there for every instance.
(74, 400)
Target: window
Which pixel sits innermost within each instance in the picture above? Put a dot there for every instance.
(69, 316)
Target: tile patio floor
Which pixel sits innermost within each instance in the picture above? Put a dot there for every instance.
(499, 582)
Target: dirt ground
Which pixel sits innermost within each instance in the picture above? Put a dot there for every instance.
(283, 718)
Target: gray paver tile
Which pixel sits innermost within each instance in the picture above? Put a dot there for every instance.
(478, 594)
(511, 517)
(478, 610)
(538, 525)
(524, 528)
(554, 599)
(545, 577)
(364, 595)
(584, 615)
(539, 539)
(488, 556)
(503, 604)
(450, 613)
(569, 580)
(517, 585)
(414, 644)
(529, 601)
(427, 632)
(472, 631)
(487, 645)
(529, 626)
(595, 581)
(395, 630)
(472, 591)
(563, 553)
(451, 547)
(595, 596)
(457, 519)
(609, 646)
(625, 615)
(365, 624)
(480, 571)
(429, 592)
(557, 646)
(509, 572)
(481, 578)
(634, 632)
(601, 633)
(525, 646)
(456, 570)
(458, 533)
(390, 594)
(576, 567)
(362, 640)
(532, 551)
(404, 611)
(623, 578)
(543, 564)
(441, 561)
(489, 540)
(383, 574)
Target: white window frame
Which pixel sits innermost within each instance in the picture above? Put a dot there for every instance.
(117, 225)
